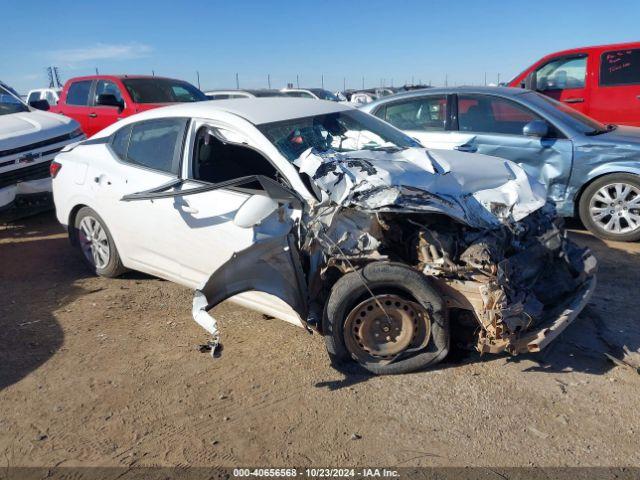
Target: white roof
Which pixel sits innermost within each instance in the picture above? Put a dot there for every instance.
(254, 110)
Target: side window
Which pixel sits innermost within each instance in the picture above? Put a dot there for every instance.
(620, 67)
(426, 114)
(78, 93)
(120, 142)
(215, 161)
(562, 74)
(107, 87)
(33, 96)
(157, 144)
(488, 114)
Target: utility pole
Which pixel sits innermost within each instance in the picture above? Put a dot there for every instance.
(198, 76)
(446, 79)
(297, 81)
(97, 71)
(322, 80)
(237, 82)
(269, 80)
(498, 78)
(344, 84)
(485, 79)
(392, 83)
(153, 73)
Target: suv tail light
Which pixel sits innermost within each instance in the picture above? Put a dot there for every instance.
(54, 168)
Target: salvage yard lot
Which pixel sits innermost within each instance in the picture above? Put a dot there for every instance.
(98, 371)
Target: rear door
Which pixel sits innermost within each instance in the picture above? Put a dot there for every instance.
(565, 79)
(494, 126)
(616, 98)
(425, 118)
(102, 116)
(77, 104)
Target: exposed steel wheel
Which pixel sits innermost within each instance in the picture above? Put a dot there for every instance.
(380, 329)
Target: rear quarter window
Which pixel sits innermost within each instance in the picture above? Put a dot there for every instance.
(620, 67)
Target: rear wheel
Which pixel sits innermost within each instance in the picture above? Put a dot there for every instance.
(96, 244)
(610, 207)
(401, 328)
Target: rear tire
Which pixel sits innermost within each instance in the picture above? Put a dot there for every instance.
(96, 244)
(610, 207)
(402, 290)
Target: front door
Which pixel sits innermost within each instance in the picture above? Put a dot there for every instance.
(101, 116)
(565, 79)
(493, 125)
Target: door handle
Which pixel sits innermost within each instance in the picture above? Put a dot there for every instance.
(574, 100)
(100, 178)
(466, 148)
(93, 115)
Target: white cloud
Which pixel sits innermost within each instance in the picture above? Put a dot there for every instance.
(101, 51)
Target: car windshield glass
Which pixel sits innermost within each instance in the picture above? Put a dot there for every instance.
(346, 131)
(579, 121)
(10, 104)
(324, 94)
(162, 90)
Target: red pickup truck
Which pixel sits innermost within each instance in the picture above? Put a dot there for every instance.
(97, 101)
(602, 82)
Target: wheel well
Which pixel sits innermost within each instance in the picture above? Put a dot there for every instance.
(71, 230)
(578, 197)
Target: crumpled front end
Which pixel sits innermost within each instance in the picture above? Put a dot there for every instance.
(523, 284)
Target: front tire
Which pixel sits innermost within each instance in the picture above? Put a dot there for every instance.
(610, 207)
(96, 244)
(403, 329)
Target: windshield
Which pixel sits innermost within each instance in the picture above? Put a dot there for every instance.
(162, 90)
(324, 94)
(579, 121)
(346, 131)
(10, 104)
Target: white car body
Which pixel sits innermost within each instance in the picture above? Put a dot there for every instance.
(200, 240)
(29, 139)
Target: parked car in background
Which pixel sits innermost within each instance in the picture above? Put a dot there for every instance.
(602, 82)
(328, 217)
(590, 169)
(29, 139)
(317, 93)
(97, 101)
(51, 95)
(251, 93)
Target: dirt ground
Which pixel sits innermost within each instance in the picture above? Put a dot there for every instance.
(106, 372)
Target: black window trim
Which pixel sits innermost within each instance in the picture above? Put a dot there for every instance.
(561, 134)
(143, 167)
(448, 122)
(600, 85)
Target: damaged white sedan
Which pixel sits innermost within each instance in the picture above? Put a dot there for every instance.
(326, 216)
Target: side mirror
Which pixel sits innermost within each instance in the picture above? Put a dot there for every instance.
(109, 100)
(40, 104)
(536, 128)
(254, 210)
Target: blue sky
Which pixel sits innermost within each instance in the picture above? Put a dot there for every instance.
(399, 40)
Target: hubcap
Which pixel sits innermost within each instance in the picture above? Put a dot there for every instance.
(94, 242)
(616, 208)
(380, 335)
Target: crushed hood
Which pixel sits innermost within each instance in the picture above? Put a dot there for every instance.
(477, 189)
(24, 128)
